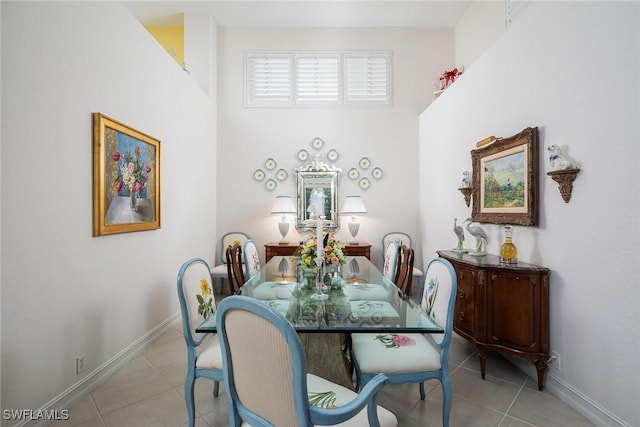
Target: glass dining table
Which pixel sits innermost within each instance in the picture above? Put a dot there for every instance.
(357, 299)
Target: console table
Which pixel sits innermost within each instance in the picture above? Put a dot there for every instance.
(277, 249)
(502, 307)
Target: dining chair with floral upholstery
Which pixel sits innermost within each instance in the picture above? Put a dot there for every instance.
(251, 259)
(412, 357)
(390, 261)
(405, 239)
(275, 389)
(197, 302)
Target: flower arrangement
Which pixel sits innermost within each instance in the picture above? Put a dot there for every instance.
(133, 174)
(333, 251)
(205, 306)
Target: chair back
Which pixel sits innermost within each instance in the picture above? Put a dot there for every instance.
(229, 239)
(404, 271)
(235, 271)
(246, 325)
(251, 259)
(438, 300)
(390, 262)
(400, 236)
(196, 298)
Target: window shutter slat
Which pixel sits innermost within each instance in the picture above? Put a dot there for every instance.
(268, 79)
(368, 79)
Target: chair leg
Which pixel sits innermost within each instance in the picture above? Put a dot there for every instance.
(216, 388)
(421, 391)
(447, 397)
(189, 400)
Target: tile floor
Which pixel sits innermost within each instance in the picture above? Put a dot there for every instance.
(149, 392)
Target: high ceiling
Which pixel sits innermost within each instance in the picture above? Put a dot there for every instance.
(304, 13)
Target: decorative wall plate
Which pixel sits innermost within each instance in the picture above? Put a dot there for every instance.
(258, 175)
(332, 155)
(282, 174)
(353, 173)
(364, 163)
(270, 164)
(377, 173)
(270, 184)
(317, 143)
(364, 183)
(302, 155)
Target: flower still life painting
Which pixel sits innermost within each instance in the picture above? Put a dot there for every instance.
(126, 178)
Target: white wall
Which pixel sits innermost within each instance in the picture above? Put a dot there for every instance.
(563, 68)
(388, 137)
(65, 292)
(481, 25)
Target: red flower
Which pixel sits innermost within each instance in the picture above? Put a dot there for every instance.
(118, 185)
(148, 169)
(116, 156)
(137, 151)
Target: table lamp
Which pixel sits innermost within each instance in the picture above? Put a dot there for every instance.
(353, 205)
(283, 206)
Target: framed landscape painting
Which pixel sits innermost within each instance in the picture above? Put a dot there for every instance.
(505, 180)
(126, 178)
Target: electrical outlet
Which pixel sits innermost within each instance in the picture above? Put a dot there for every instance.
(555, 361)
(80, 364)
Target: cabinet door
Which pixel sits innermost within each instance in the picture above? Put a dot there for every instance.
(514, 302)
(464, 319)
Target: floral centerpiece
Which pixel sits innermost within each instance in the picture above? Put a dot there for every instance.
(333, 251)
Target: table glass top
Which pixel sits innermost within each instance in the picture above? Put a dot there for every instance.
(359, 299)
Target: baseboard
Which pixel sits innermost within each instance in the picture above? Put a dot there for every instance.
(572, 397)
(86, 385)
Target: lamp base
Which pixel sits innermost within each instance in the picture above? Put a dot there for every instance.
(354, 227)
(283, 227)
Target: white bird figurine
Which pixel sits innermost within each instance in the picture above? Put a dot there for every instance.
(460, 233)
(479, 234)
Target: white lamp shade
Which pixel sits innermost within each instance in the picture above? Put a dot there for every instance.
(353, 205)
(283, 206)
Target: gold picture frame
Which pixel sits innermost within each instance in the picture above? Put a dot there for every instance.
(126, 178)
(505, 180)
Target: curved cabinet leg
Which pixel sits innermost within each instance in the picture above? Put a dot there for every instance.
(541, 366)
(482, 355)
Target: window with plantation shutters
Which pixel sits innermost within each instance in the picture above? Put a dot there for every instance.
(268, 79)
(317, 79)
(367, 79)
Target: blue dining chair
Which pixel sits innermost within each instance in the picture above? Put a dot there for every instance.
(204, 358)
(275, 389)
(390, 260)
(251, 259)
(405, 239)
(220, 272)
(414, 358)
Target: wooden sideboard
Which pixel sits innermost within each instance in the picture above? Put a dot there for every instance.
(277, 249)
(502, 307)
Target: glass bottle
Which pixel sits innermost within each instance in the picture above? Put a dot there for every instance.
(508, 251)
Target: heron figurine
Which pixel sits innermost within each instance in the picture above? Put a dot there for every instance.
(480, 236)
(460, 233)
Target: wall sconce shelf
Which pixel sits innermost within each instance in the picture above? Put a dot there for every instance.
(466, 191)
(564, 178)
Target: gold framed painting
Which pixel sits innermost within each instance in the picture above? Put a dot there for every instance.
(505, 180)
(126, 178)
